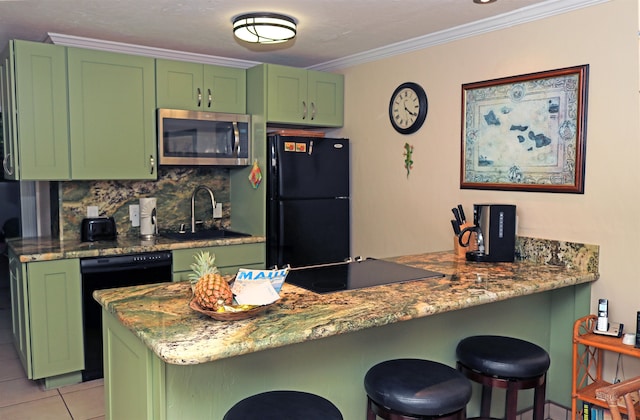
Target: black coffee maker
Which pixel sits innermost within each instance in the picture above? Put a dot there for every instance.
(495, 228)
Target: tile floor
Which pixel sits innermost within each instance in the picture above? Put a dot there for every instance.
(23, 399)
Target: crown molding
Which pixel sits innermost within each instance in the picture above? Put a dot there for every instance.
(121, 47)
(506, 20)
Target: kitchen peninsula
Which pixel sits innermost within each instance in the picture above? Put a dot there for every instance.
(165, 361)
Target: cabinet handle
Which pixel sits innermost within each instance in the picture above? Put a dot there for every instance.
(199, 96)
(7, 169)
(210, 98)
(152, 162)
(304, 110)
(313, 111)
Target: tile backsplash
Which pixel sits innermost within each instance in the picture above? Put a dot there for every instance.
(173, 190)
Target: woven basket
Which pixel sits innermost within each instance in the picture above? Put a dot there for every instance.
(230, 316)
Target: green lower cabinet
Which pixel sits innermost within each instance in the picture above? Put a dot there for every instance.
(55, 317)
(133, 375)
(19, 311)
(229, 259)
(47, 316)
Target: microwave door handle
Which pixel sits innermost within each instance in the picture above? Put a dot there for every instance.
(236, 136)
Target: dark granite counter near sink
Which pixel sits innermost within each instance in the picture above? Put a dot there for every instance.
(48, 249)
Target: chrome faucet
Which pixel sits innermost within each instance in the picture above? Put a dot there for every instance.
(193, 205)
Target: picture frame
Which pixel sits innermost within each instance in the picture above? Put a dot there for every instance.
(526, 132)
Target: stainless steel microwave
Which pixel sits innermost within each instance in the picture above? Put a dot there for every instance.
(203, 138)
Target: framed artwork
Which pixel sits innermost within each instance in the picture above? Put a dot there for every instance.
(526, 133)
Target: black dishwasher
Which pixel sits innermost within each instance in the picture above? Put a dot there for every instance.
(107, 273)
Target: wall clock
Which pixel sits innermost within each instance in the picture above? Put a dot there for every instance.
(408, 108)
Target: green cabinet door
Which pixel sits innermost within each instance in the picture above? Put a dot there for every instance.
(304, 97)
(9, 161)
(111, 115)
(35, 99)
(200, 87)
(55, 317)
(326, 98)
(19, 312)
(225, 89)
(286, 94)
(229, 259)
(179, 85)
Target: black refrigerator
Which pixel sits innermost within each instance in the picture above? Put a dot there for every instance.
(308, 203)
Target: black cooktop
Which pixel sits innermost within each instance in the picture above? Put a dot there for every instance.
(355, 275)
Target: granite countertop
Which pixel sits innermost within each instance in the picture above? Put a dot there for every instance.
(160, 315)
(48, 249)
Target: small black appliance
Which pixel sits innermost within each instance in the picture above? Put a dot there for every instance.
(98, 229)
(495, 226)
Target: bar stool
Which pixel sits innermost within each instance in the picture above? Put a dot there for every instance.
(283, 405)
(507, 363)
(408, 389)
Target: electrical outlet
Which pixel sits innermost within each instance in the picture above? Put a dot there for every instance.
(92, 211)
(217, 212)
(134, 214)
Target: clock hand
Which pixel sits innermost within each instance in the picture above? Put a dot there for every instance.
(412, 113)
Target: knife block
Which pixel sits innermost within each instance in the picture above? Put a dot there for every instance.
(461, 251)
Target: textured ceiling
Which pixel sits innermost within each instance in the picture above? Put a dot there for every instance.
(327, 30)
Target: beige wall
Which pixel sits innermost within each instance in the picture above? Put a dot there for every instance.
(394, 215)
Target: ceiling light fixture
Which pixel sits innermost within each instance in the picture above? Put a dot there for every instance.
(484, 1)
(264, 28)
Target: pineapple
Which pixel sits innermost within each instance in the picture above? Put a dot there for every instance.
(211, 290)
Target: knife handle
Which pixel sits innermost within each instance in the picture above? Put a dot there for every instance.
(456, 213)
(456, 227)
(461, 211)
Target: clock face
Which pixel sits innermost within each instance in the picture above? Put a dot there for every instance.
(408, 108)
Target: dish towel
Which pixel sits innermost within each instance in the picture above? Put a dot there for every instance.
(255, 176)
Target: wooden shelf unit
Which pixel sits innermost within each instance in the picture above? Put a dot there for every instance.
(588, 362)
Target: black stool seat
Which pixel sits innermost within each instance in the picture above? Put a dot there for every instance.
(417, 387)
(508, 363)
(284, 405)
(504, 357)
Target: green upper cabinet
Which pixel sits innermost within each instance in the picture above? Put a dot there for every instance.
(111, 115)
(200, 87)
(34, 104)
(304, 97)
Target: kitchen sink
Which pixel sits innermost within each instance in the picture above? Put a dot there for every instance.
(204, 235)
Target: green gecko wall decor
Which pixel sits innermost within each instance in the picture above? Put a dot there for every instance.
(408, 160)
